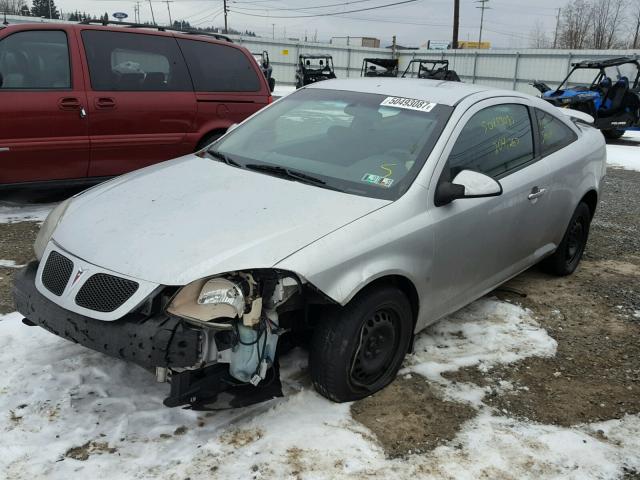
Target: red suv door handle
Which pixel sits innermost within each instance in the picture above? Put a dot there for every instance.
(104, 103)
(69, 103)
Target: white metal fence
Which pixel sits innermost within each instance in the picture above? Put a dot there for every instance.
(509, 69)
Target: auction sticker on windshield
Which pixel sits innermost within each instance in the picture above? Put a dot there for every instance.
(409, 104)
(377, 180)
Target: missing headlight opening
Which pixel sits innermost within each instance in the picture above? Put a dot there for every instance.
(239, 315)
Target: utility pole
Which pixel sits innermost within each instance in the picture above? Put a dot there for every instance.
(153, 17)
(273, 31)
(456, 23)
(483, 7)
(169, 10)
(555, 36)
(226, 27)
(50, 14)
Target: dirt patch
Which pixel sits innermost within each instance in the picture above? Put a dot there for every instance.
(294, 460)
(240, 438)
(595, 374)
(83, 452)
(16, 241)
(408, 417)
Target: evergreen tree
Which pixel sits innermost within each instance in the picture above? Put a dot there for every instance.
(45, 8)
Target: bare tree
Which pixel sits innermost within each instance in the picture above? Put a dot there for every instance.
(605, 22)
(12, 7)
(538, 37)
(575, 24)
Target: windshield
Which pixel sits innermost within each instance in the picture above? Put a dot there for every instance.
(628, 70)
(360, 143)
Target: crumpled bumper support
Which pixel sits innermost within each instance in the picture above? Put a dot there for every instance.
(157, 341)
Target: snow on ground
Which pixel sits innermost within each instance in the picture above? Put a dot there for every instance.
(9, 264)
(11, 212)
(625, 156)
(283, 90)
(56, 396)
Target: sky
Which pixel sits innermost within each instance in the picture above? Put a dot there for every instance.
(507, 23)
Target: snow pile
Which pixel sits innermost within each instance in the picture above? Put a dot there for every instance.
(14, 213)
(67, 412)
(485, 333)
(625, 156)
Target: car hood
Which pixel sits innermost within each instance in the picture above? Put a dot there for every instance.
(188, 218)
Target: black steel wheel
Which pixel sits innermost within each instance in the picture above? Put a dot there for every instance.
(569, 253)
(358, 350)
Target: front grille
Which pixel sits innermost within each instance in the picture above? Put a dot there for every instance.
(56, 273)
(105, 293)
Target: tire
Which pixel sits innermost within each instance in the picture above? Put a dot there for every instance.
(360, 348)
(613, 133)
(567, 257)
(208, 140)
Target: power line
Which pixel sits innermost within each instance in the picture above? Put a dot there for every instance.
(342, 4)
(325, 14)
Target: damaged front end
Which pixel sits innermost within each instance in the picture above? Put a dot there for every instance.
(215, 340)
(239, 314)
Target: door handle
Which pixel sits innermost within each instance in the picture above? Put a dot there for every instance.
(69, 103)
(105, 103)
(537, 192)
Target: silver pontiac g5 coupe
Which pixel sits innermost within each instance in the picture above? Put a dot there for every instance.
(344, 217)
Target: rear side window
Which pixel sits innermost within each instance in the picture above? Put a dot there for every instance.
(495, 141)
(219, 68)
(134, 62)
(35, 60)
(554, 134)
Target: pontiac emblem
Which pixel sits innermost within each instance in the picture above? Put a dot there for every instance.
(79, 274)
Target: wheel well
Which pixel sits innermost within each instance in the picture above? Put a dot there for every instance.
(591, 199)
(404, 284)
(203, 140)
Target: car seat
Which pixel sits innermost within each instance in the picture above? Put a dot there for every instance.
(613, 101)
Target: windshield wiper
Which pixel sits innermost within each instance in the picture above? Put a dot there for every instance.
(286, 173)
(223, 158)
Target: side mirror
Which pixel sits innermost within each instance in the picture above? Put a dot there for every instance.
(467, 184)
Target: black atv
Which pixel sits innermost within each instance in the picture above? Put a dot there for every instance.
(431, 70)
(370, 67)
(265, 66)
(612, 98)
(314, 68)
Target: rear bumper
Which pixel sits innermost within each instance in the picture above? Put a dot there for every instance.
(157, 341)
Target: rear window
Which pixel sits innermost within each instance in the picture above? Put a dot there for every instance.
(134, 62)
(219, 68)
(35, 60)
(554, 134)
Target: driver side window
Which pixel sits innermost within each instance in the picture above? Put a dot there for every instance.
(495, 141)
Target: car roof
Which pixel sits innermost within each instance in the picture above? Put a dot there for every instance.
(437, 91)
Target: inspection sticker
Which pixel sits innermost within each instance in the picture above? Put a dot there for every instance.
(377, 180)
(409, 104)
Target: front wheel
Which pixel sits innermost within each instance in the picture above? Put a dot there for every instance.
(360, 348)
(569, 253)
(613, 133)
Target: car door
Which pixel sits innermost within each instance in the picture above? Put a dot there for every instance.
(229, 85)
(43, 129)
(141, 101)
(481, 242)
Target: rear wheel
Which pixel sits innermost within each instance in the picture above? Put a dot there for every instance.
(567, 257)
(360, 349)
(613, 133)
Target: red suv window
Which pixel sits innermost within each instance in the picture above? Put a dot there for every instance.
(121, 61)
(219, 68)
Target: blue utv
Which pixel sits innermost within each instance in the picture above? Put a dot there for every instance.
(612, 98)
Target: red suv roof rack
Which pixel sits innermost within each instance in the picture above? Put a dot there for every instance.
(160, 28)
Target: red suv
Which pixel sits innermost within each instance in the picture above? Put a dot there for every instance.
(85, 102)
